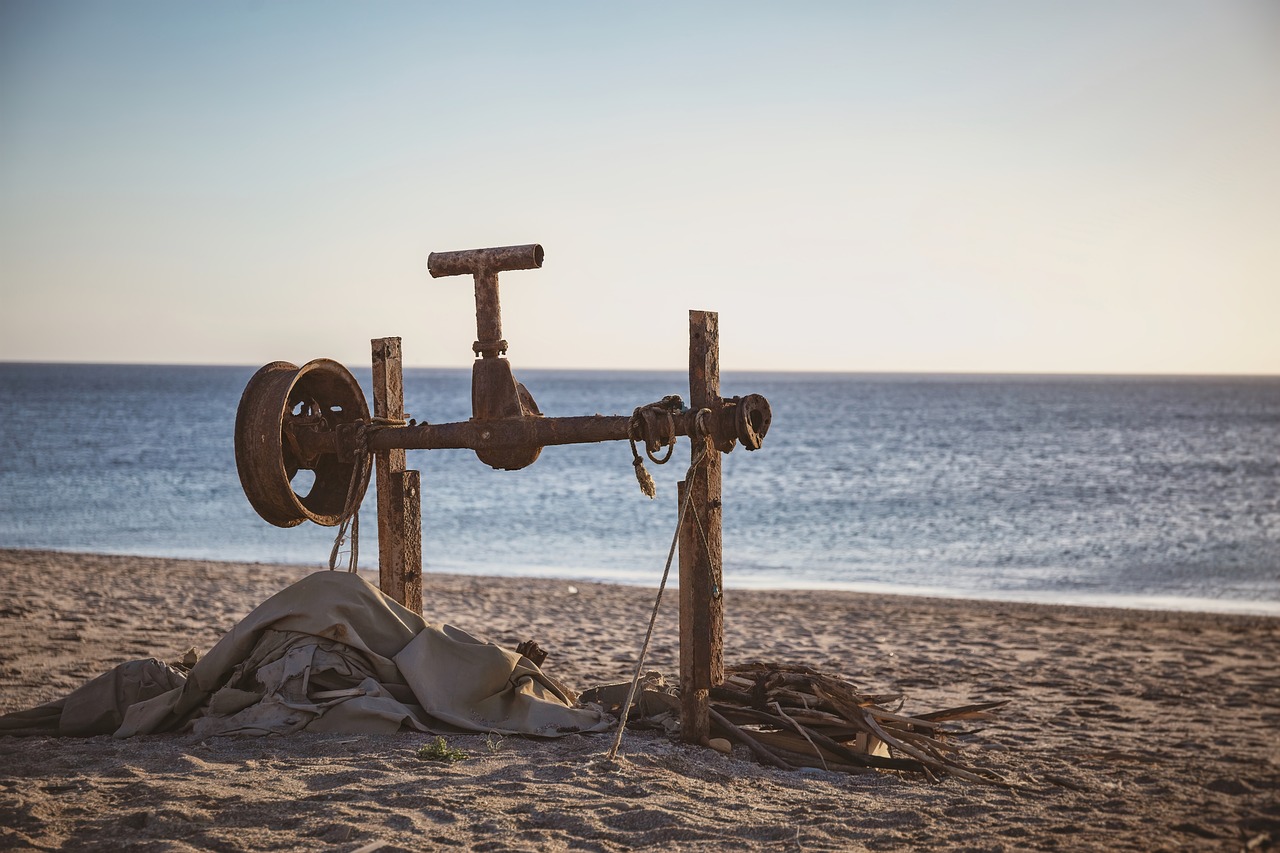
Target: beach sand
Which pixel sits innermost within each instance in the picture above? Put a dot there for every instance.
(1125, 729)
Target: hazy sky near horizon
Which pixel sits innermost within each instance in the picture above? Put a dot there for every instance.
(918, 186)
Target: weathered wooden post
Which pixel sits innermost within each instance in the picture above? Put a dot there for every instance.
(701, 559)
(399, 491)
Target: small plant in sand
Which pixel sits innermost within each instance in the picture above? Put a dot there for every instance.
(439, 750)
(494, 742)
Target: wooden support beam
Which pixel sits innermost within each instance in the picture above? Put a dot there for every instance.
(410, 495)
(399, 491)
(701, 562)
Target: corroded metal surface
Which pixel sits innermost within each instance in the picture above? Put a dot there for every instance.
(753, 417)
(495, 394)
(315, 417)
(484, 265)
(288, 418)
(498, 259)
(587, 429)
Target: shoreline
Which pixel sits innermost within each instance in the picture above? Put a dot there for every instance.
(1102, 601)
(1125, 729)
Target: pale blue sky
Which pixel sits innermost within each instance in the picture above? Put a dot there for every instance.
(976, 186)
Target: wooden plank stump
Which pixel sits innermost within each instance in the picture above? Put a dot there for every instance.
(410, 502)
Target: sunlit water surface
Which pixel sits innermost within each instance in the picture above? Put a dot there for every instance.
(1157, 492)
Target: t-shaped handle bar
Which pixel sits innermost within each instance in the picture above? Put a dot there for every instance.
(484, 265)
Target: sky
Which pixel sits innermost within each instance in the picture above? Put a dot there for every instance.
(1027, 187)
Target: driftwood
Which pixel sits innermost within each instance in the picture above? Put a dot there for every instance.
(795, 716)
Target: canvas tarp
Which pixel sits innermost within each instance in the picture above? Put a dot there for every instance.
(329, 653)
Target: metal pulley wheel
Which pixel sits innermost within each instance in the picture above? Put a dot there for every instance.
(283, 405)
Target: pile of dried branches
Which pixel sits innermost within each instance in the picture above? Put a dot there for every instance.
(793, 716)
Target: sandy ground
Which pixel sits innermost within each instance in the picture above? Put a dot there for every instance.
(1125, 730)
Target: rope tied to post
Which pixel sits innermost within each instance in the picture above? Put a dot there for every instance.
(701, 441)
(655, 425)
(349, 521)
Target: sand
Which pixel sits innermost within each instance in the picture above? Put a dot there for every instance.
(1125, 729)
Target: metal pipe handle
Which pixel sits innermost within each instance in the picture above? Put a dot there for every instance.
(480, 261)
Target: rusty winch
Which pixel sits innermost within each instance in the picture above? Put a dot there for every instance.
(315, 418)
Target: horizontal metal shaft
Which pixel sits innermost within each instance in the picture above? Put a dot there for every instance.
(514, 432)
(742, 420)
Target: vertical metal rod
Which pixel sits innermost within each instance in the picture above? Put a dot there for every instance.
(488, 313)
(701, 559)
(399, 496)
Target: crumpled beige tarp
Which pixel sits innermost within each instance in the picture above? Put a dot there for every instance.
(329, 653)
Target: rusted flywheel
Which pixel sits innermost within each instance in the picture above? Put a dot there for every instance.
(281, 406)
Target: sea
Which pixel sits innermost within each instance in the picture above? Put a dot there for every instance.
(1154, 492)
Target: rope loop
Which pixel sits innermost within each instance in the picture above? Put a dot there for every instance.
(670, 447)
(702, 424)
(655, 425)
(349, 521)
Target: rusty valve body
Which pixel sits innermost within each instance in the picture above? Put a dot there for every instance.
(495, 393)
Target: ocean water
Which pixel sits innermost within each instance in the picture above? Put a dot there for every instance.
(1160, 492)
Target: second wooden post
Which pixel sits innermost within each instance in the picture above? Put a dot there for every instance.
(399, 491)
(701, 562)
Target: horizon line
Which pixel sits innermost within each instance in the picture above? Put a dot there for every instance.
(1064, 374)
